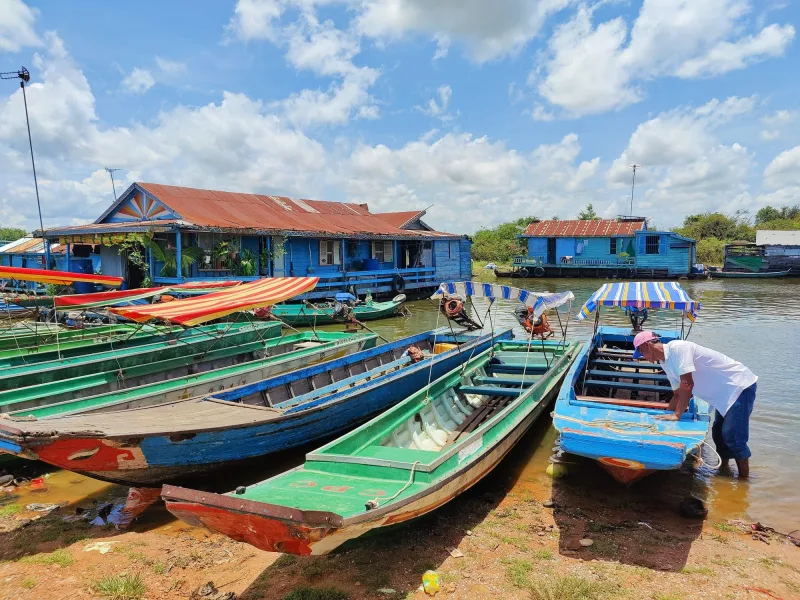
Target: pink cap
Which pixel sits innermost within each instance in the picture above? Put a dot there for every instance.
(641, 338)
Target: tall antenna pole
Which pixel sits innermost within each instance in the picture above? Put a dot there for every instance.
(633, 184)
(111, 173)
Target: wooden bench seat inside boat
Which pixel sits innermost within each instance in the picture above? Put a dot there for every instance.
(623, 402)
(491, 390)
(509, 369)
(639, 387)
(633, 364)
(527, 380)
(628, 375)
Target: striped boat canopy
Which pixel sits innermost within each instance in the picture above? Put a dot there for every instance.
(641, 294)
(117, 297)
(57, 277)
(538, 301)
(193, 311)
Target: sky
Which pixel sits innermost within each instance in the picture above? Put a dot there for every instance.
(483, 111)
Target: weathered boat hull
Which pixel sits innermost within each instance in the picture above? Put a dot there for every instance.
(625, 437)
(196, 341)
(304, 316)
(196, 379)
(283, 528)
(744, 275)
(231, 432)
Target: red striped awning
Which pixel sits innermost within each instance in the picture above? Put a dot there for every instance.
(57, 277)
(193, 311)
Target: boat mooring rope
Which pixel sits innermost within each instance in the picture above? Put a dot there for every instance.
(373, 504)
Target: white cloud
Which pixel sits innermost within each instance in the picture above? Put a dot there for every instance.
(16, 26)
(784, 170)
(438, 107)
(234, 144)
(170, 67)
(726, 56)
(489, 30)
(776, 123)
(471, 181)
(255, 19)
(138, 81)
(596, 68)
(686, 168)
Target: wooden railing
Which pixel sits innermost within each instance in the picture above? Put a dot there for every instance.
(537, 261)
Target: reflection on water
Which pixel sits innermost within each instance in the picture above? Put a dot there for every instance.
(757, 323)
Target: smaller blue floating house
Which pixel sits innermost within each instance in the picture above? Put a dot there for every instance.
(197, 234)
(621, 247)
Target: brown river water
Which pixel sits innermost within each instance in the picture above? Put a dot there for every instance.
(757, 323)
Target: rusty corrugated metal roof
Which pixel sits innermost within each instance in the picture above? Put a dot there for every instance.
(401, 219)
(233, 210)
(577, 228)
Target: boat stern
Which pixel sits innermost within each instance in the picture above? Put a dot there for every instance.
(269, 527)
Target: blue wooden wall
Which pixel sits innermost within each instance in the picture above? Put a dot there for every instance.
(673, 253)
(465, 247)
(537, 247)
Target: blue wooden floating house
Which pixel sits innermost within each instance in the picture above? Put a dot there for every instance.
(621, 247)
(246, 236)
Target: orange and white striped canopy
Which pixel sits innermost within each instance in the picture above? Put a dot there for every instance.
(193, 311)
(57, 277)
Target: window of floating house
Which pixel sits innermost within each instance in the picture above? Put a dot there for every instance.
(382, 251)
(612, 246)
(652, 244)
(330, 252)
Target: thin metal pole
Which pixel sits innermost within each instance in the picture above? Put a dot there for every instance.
(113, 186)
(633, 185)
(33, 162)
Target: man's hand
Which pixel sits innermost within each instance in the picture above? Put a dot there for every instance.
(670, 417)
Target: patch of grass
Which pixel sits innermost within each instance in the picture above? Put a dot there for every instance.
(697, 570)
(605, 548)
(503, 512)
(519, 543)
(719, 538)
(61, 558)
(120, 587)
(543, 554)
(664, 596)
(10, 510)
(770, 561)
(568, 587)
(159, 568)
(285, 560)
(132, 554)
(316, 567)
(517, 571)
(28, 583)
(307, 593)
(722, 526)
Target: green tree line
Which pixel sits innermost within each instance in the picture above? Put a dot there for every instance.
(10, 234)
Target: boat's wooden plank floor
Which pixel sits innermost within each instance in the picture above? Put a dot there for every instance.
(177, 417)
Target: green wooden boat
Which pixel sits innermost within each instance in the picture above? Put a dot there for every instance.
(406, 462)
(185, 380)
(749, 275)
(191, 342)
(76, 342)
(300, 315)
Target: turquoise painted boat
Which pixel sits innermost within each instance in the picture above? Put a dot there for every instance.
(300, 315)
(214, 374)
(33, 347)
(608, 408)
(406, 462)
(191, 343)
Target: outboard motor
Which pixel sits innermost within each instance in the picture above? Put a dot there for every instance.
(637, 316)
(343, 306)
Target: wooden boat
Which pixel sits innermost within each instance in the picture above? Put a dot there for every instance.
(24, 349)
(404, 463)
(192, 342)
(215, 372)
(176, 441)
(608, 406)
(300, 315)
(748, 275)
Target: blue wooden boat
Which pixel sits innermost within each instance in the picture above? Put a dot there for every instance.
(177, 441)
(608, 405)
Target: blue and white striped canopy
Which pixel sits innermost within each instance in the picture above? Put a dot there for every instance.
(641, 294)
(539, 302)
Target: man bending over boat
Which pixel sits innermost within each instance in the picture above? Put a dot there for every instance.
(724, 383)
